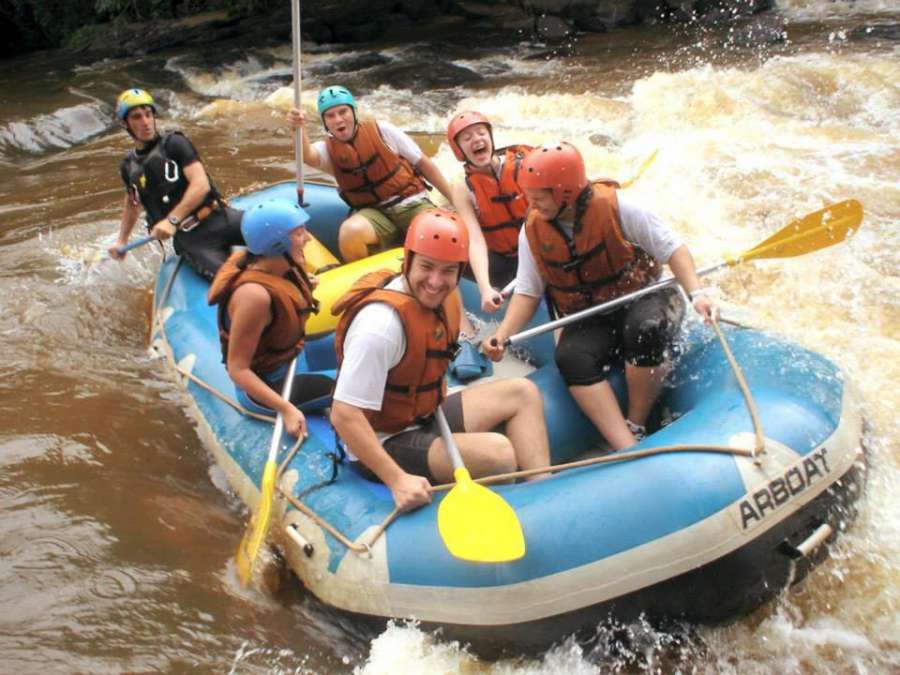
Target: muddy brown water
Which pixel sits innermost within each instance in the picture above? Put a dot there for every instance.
(117, 530)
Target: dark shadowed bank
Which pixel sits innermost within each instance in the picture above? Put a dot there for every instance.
(120, 27)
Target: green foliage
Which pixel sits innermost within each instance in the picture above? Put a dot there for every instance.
(51, 23)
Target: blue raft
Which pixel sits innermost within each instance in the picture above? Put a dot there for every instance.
(693, 535)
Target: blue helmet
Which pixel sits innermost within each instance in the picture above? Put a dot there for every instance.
(332, 96)
(267, 226)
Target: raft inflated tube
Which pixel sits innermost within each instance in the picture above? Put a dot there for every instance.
(317, 256)
(335, 282)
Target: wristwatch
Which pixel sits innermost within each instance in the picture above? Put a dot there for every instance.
(175, 220)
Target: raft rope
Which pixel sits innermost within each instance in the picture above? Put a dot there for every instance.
(365, 548)
(760, 444)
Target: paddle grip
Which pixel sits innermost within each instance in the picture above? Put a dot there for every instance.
(122, 250)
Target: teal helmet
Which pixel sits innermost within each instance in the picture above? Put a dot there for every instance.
(133, 98)
(332, 96)
(267, 226)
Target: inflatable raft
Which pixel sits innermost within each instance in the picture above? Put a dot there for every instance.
(688, 534)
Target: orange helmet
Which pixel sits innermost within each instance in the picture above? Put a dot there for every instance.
(462, 121)
(555, 166)
(439, 234)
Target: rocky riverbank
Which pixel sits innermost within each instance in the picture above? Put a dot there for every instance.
(354, 21)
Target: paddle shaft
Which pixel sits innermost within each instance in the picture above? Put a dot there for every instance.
(298, 139)
(605, 307)
(122, 250)
(447, 437)
(279, 420)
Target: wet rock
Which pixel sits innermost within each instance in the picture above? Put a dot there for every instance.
(890, 31)
(484, 10)
(608, 15)
(424, 76)
(603, 140)
(418, 9)
(760, 31)
(350, 63)
(502, 15)
(717, 12)
(553, 29)
(652, 11)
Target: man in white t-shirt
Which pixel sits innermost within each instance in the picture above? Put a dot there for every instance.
(394, 343)
(379, 170)
(583, 245)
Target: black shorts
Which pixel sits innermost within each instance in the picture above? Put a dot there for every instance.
(410, 448)
(642, 333)
(207, 246)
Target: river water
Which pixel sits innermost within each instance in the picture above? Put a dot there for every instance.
(117, 531)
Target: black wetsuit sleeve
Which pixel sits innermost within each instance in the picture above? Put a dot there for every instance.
(180, 149)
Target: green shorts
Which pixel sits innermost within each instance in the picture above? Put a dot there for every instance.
(391, 224)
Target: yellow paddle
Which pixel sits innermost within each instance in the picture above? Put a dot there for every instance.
(814, 231)
(255, 534)
(646, 165)
(475, 523)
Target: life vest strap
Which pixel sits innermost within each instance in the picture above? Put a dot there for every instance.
(577, 260)
(501, 226)
(361, 168)
(369, 186)
(589, 288)
(403, 389)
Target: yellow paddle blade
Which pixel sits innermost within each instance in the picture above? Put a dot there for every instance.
(477, 524)
(812, 232)
(255, 534)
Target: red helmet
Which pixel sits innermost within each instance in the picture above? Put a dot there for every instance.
(439, 234)
(555, 166)
(462, 121)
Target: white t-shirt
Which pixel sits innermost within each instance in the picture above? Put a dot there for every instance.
(639, 226)
(374, 343)
(396, 139)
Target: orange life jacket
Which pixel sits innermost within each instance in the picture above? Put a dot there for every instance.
(368, 172)
(598, 264)
(292, 301)
(501, 204)
(415, 387)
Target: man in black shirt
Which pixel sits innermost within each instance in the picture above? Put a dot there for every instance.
(164, 175)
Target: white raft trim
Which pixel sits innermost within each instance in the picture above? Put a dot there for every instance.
(597, 582)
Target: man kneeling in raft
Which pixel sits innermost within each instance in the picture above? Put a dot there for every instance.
(394, 343)
(583, 245)
(264, 299)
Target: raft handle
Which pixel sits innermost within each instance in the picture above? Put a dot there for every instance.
(292, 532)
(808, 545)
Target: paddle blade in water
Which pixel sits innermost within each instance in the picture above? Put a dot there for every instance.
(476, 524)
(259, 526)
(811, 233)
